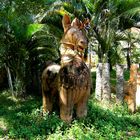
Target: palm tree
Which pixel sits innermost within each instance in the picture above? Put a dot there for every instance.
(106, 20)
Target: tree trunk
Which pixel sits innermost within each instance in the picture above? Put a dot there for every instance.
(128, 59)
(109, 61)
(98, 91)
(119, 83)
(10, 80)
(106, 82)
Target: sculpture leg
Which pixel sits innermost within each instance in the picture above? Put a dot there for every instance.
(47, 102)
(66, 104)
(81, 106)
(81, 109)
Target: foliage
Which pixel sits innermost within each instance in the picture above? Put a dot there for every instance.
(107, 18)
(133, 44)
(24, 44)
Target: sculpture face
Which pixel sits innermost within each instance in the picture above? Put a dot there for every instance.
(75, 38)
(74, 34)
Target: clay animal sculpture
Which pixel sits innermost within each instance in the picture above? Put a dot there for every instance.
(130, 88)
(71, 80)
(75, 82)
(49, 85)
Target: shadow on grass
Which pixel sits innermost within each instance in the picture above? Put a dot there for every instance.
(24, 120)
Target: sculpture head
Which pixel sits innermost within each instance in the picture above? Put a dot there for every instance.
(74, 36)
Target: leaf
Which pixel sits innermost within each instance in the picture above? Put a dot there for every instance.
(33, 28)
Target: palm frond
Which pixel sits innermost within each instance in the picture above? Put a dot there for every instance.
(55, 7)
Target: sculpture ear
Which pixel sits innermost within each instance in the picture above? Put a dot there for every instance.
(76, 23)
(66, 22)
(86, 23)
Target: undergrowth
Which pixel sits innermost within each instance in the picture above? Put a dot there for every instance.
(22, 119)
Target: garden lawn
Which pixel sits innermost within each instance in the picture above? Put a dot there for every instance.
(22, 119)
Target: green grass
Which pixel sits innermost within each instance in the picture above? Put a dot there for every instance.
(23, 120)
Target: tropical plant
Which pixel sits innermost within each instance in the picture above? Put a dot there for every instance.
(25, 45)
(106, 20)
